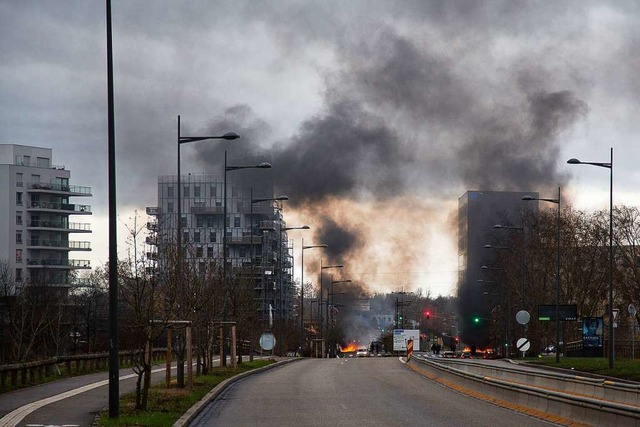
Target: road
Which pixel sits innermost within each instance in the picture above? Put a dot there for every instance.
(347, 392)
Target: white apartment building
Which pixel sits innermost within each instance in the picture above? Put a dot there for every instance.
(35, 226)
(257, 241)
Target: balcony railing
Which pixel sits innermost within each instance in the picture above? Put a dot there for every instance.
(63, 244)
(60, 206)
(73, 263)
(71, 189)
(73, 226)
(152, 226)
(207, 210)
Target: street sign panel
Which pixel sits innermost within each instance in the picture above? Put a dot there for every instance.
(567, 312)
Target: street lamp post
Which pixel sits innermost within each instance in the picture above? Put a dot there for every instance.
(282, 310)
(329, 314)
(254, 201)
(227, 168)
(522, 263)
(229, 136)
(302, 290)
(503, 296)
(320, 316)
(608, 165)
(557, 202)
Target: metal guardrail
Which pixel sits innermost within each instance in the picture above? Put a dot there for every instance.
(29, 373)
(603, 405)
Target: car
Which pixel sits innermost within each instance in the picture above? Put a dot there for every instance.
(362, 352)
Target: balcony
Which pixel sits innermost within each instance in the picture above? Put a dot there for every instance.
(153, 210)
(258, 208)
(59, 207)
(153, 256)
(72, 227)
(59, 263)
(244, 240)
(268, 225)
(69, 190)
(151, 240)
(59, 244)
(207, 210)
(152, 226)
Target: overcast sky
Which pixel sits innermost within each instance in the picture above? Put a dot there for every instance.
(377, 115)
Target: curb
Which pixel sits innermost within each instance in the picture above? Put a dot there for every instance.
(195, 410)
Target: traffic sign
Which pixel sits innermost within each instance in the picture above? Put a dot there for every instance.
(523, 317)
(267, 341)
(523, 344)
(632, 309)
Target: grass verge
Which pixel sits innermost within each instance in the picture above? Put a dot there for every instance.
(625, 369)
(167, 405)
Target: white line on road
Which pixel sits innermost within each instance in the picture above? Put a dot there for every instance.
(13, 418)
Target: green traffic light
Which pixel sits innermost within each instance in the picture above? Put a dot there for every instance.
(476, 320)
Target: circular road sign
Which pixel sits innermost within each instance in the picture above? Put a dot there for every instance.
(523, 317)
(267, 341)
(523, 344)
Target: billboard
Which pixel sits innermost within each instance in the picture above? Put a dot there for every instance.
(401, 336)
(567, 312)
(592, 328)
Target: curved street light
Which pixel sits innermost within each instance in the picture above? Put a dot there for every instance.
(302, 341)
(229, 136)
(607, 165)
(262, 289)
(227, 168)
(557, 202)
(321, 318)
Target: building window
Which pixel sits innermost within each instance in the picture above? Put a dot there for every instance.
(18, 255)
(18, 275)
(170, 207)
(183, 220)
(170, 191)
(196, 191)
(19, 198)
(185, 236)
(18, 218)
(196, 237)
(212, 236)
(213, 191)
(185, 191)
(18, 180)
(35, 179)
(199, 221)
(243, 252)
(236, 221)
(43, 162)
(209, 252)
(199, 252)
(18, 237)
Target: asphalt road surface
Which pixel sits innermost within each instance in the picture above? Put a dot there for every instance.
(351, 392)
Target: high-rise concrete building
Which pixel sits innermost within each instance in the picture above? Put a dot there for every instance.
(35, 226)
(258, 248)
(478, 213)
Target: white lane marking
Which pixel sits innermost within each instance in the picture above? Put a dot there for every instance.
(13, 418)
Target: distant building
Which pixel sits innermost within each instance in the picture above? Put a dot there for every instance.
(35, 223)
(478, 212)
(258, 247)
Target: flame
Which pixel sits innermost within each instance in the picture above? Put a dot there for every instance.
(351, 347)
